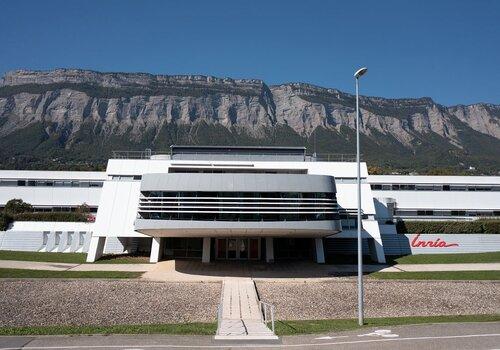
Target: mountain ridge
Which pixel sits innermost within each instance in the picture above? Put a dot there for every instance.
(60, 106)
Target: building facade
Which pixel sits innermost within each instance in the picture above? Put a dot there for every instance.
(234, 203)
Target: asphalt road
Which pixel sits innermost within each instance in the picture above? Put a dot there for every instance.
(421, 337)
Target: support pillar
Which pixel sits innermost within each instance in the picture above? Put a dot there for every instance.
(269, 250)
(155, 250)
(320, 252)
(205, 257)
(96, 248)
(376, 250)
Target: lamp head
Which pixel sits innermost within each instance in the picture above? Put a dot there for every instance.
(360, 72)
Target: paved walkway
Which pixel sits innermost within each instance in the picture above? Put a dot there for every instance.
(195, 271)
(241, 318)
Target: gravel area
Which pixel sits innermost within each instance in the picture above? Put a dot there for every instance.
(91, 302)
(338, 299)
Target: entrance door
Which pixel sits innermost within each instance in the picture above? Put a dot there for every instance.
(253, 248)
(221, 248)
(232, 248)
(238, 248)
(243, 248)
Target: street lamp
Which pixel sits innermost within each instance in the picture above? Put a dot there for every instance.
(357, 75)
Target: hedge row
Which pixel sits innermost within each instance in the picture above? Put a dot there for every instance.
(6, 218)
(429, 227)
(51, 216)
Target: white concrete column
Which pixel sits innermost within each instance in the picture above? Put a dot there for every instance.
(205, 257)
(320, 252)
(155, 250)
(96, 248)
(269, 250)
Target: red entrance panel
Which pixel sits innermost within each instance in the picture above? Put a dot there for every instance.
(254, 248)
(221, 248)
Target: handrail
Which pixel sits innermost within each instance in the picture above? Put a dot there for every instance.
(316, 157)
(219, 317)
(264, 307)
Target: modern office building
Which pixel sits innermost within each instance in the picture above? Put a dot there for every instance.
(234, 203)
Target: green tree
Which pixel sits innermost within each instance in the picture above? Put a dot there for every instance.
(17, 206)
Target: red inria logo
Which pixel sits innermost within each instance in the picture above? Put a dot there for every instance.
(438, 243)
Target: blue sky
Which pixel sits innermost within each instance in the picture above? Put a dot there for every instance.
(448, 50)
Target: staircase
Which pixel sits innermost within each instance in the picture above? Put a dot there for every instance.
(241, 316)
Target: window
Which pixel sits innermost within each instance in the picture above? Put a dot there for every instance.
(424, 187)
(70, 238)
(8, 183)
(58, 237)
(425, 212)
(45, 238)
(81, 240)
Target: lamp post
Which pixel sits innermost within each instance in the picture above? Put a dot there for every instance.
(357, 75)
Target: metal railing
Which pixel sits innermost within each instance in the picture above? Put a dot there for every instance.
(332, 157)
(267, 310)
(219, 317)
(146, 154)
(317, 157)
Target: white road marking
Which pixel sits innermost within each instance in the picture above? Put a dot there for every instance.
(221, 346)
(329, 338)
(384, 333)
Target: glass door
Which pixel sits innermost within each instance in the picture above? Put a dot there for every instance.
(232, 248)
(221, 248)
(243, 248)
(254, 248)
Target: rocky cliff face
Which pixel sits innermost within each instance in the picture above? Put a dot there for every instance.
(70, 107)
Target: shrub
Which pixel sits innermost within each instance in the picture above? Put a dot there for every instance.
(51, 216)
(17, 206)
(491, 226)
(5, 220)
(463, 227)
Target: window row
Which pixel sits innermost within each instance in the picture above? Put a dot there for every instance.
(202, 194)
(238, 216)
(50, 183)
(61, 209)
(428, 212)
(433, 187)
(69, 238)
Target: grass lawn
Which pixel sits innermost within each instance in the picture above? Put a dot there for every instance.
(464, 258)
(282, 327)
(323, 326)
(123, 259)
(22, 273)
(76, 258)
(437, 275)
(181, 328)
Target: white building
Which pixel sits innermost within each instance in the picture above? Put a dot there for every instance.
(235, 203)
